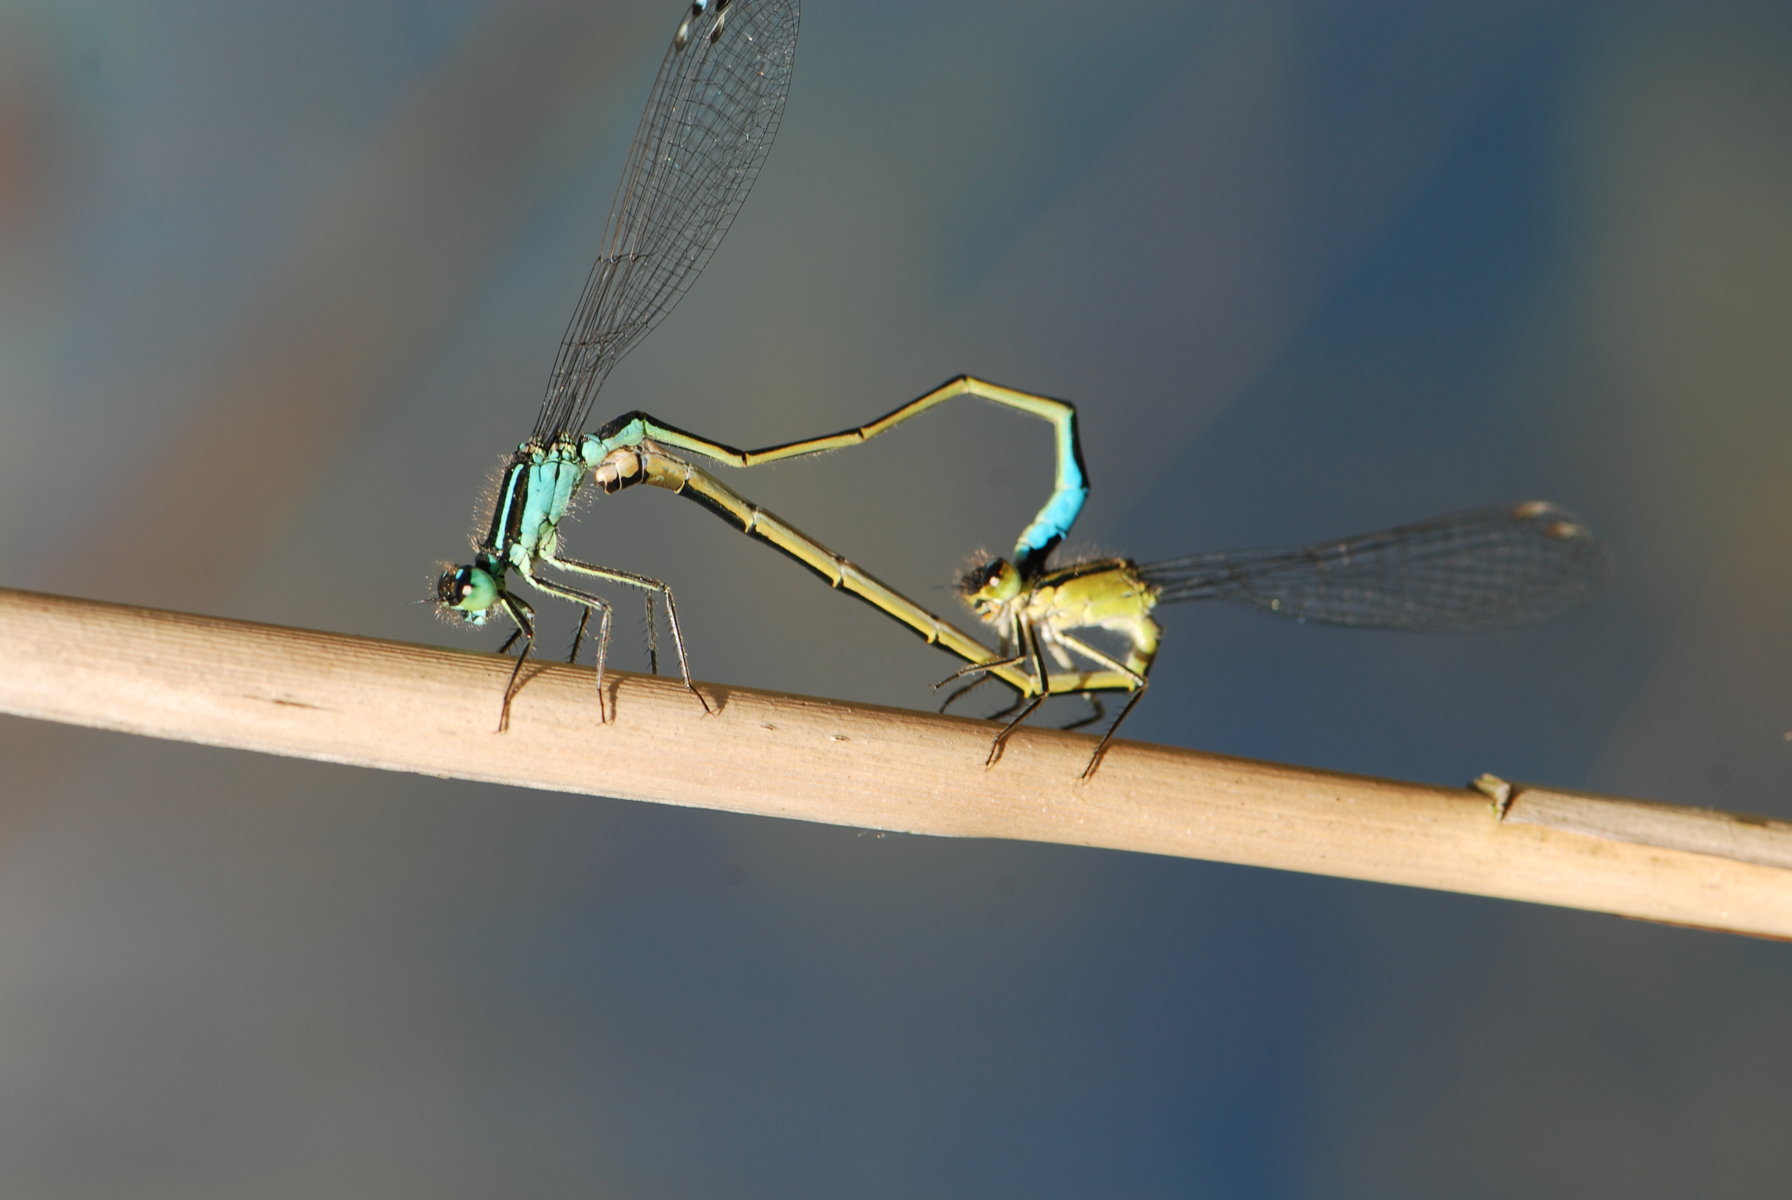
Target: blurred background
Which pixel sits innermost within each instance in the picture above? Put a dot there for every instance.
(280, 285)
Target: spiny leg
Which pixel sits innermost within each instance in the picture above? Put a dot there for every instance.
(981, 668)
(523, 616)
(1061, 647)
(684, 666)
(983, 673)
(651, 586)
(578, 636)
(1139, 683)
(602, 607)
(653, 648)
(1028, 642)
(1101, 747)
(1001, 739)
(653, 640)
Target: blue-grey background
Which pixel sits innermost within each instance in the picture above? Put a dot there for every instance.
(279, 284)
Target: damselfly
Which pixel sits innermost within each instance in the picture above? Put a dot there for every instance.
(1486, 569)
(711, 116)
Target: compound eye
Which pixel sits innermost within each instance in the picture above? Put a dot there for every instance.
(1001, 581)
(988, 585)
(469, 591)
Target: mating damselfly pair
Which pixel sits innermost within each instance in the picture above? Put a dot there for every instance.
(711, 115)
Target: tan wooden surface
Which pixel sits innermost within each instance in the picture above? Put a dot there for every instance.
(414, 708)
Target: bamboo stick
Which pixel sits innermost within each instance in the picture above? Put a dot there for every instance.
(401, 707)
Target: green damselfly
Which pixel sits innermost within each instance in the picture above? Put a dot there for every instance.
(1489, 568)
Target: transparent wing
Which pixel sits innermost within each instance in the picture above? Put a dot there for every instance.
(710, 119)
(1485, 569)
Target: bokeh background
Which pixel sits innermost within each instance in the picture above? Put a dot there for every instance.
(279, 285)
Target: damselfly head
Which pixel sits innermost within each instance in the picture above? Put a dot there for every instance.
(988, 584)
(466, 592)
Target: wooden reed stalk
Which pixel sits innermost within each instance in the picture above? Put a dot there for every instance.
(416, 708)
